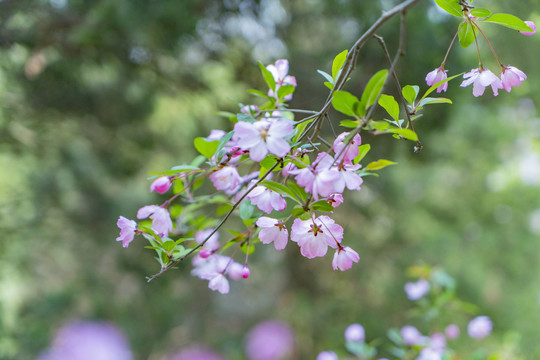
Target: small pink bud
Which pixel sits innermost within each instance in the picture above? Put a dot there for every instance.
(161, 185)
(205, 253)
(245, 272)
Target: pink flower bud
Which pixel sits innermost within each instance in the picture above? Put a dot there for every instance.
(532, 26)
(205, 253)
(161, 185)
(452, 331)
(245, 272)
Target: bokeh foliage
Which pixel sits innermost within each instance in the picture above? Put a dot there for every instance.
(94, 96)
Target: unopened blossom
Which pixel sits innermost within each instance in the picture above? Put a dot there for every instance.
(532, 26)
(344, 258)
(219, 283)
(327, 355)
(511, 76)
(439, 74)
(315, 235)
(161, 185)
(266, 199)
(416, 290)
(245, 272)
(161, 219)
(273, 230)
(280, 72)
(319, 178)
(411, 335)
(452, 331)
(355, 333)
(263, 137)
(481, 78)
(127, 230)
(350, 151)
(270, 340)
(335, 199)
(479, 327)
(212, 243)
(226, 178)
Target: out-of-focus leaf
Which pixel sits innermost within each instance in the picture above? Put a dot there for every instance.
(379, 164)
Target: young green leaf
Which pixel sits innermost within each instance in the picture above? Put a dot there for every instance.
(373, 88)
(206, 147)
(285, 90)
(268, 77)
(327, 76)
(279, 188)
(246, 210)
(430, 100)
(338, 63)
(510, 21)
(435, 86)
(405, 133)
(480, 12)
(349, 123)
(322, 205)
(362, 152)
(379, 164)
(466, 34)
(344, 102)
(390, 105)
(450, 6)
(299, 192)
(410, 92)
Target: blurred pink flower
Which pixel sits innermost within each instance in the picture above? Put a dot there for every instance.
(352, 148)
(273, 230)
(315, 235)
(452, 331)
(280, 71)
(355, 333)
(411, 335)
(435, 76)
(127, 230)
(226, 178)
(196, 353)
(212, 243)
(416, 290)
(327, 355)
(344, 258)
(88, 340)
(270, 340)
(161, 220)
(479, 327)
(319, 178)
(532, 26)
(511, 76)
(161, 185)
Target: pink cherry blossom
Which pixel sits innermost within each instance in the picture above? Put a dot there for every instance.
(215, 268)
(219, 283)
(355, 333)
(161, 220)
(344, 258)
(335, 199)
(161, 185)
(127, 230)
(319, 178)
(226, 178)
(212, 243)
(479, 327)
(348, 178)
(273, 230)
(280, 71)
(267, 200)
(532, 26)
(416, 290)
(315, 235)
(511, 76)
(264, 136)
(480, 78)
(270, 340)
(435, 76)
(352, 148)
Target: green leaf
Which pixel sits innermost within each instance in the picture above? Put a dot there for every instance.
(466, 34)
(246, 210)
(279, 188)
(430, 100)
(329, 85)
(206, 147)
(268, 77)
(322, 205)
(379, 164)
(509, 21)
(480, 12)
(327, 76)
(362, 152)
(285, 90)
(299, 129)
(299, 212)
(435, 86)
(182, 168)
(224, 140)
(258, 93)
(410, 92)
(245, 246)
(344, 102)
(300, 192)
(450, 6)
(390, 105)
(245, 117)
(373, 88)
(223, 209)
(406, 133)
(349, 123)
(338, 63)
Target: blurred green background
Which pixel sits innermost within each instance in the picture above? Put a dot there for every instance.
(95, 95)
